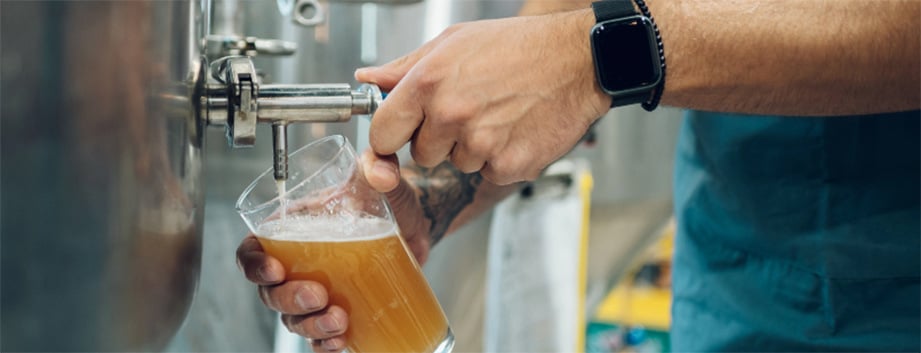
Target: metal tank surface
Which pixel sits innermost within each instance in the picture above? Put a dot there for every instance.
(226, 314)
(102, 205)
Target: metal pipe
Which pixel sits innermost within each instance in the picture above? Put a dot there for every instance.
(305, 103)
(313, 103)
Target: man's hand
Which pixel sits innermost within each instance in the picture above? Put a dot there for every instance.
(304, 305)
(504, 97)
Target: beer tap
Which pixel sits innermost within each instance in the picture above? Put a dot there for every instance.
(234, 98)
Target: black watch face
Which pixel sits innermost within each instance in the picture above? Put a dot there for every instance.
(625, 55)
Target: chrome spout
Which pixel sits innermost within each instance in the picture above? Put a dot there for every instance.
(280, 141)
(236, 100)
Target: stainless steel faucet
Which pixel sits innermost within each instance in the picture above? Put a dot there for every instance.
(235, 99)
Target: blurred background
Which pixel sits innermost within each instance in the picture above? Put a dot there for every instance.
(118, 220)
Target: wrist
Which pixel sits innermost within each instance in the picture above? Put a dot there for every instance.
(580, 23)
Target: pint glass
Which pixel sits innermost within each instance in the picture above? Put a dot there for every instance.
(331, 227)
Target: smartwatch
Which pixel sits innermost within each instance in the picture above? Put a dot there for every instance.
(628, 55)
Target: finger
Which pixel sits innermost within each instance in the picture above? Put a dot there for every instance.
(398, 116)
(325, 324)
(257, 266)
(333, 344)
(466, 160)
(406, 208)
(420, 247)
(396, 120)
(382, 172)
(387, 76)
(295, 297)
(499, 174)
(432, 144)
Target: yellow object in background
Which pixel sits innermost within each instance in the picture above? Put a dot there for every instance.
(636, 313)
(648, 307)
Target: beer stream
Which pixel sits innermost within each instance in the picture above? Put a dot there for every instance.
(283, 202)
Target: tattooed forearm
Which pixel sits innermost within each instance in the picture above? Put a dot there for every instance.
(444, 192)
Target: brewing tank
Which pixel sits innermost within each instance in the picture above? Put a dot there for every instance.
(102, 202)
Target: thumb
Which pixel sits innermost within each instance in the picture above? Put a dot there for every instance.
(382, 172)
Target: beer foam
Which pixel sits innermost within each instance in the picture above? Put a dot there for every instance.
(326, 228)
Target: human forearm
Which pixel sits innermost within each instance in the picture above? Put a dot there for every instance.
(450, 198)
(543, 7)
(508, 97)
(801, 57)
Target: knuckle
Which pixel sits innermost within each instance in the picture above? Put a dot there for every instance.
(333, 344)
(426, 77)
(423, 156)
(321, 325)
(263, 295)
(454, 113)
(331, 323)
(504, 170)
(266, 297)
(464, 163)
(479, 144)
(490, 173)
(532, 173)
(303, 325)
(292, 324)
(244, 246)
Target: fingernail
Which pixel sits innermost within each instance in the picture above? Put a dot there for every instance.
(307, 299)
(263, 273)
(384, 169)
(328, 324)
(332, 344)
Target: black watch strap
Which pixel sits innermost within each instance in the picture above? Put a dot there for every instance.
(611, 9)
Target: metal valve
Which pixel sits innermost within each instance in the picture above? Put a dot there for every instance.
(236, 100)
(217, 46)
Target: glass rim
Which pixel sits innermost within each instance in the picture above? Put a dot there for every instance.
(341, 142)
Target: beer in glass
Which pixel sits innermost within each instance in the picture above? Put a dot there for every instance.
(331, 227)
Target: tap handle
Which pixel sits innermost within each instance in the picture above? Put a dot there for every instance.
(218, 45)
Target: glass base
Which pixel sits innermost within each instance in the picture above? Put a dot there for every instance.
(447, 344)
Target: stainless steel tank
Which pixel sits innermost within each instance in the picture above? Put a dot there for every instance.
(226, 314)
(104, 109)
(102, 202)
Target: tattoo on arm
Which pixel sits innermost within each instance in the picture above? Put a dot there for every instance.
(444, 192)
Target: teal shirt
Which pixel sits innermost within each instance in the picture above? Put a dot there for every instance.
(798, 234)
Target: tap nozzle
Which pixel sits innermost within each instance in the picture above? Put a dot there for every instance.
(280, 141)
(234, 98)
